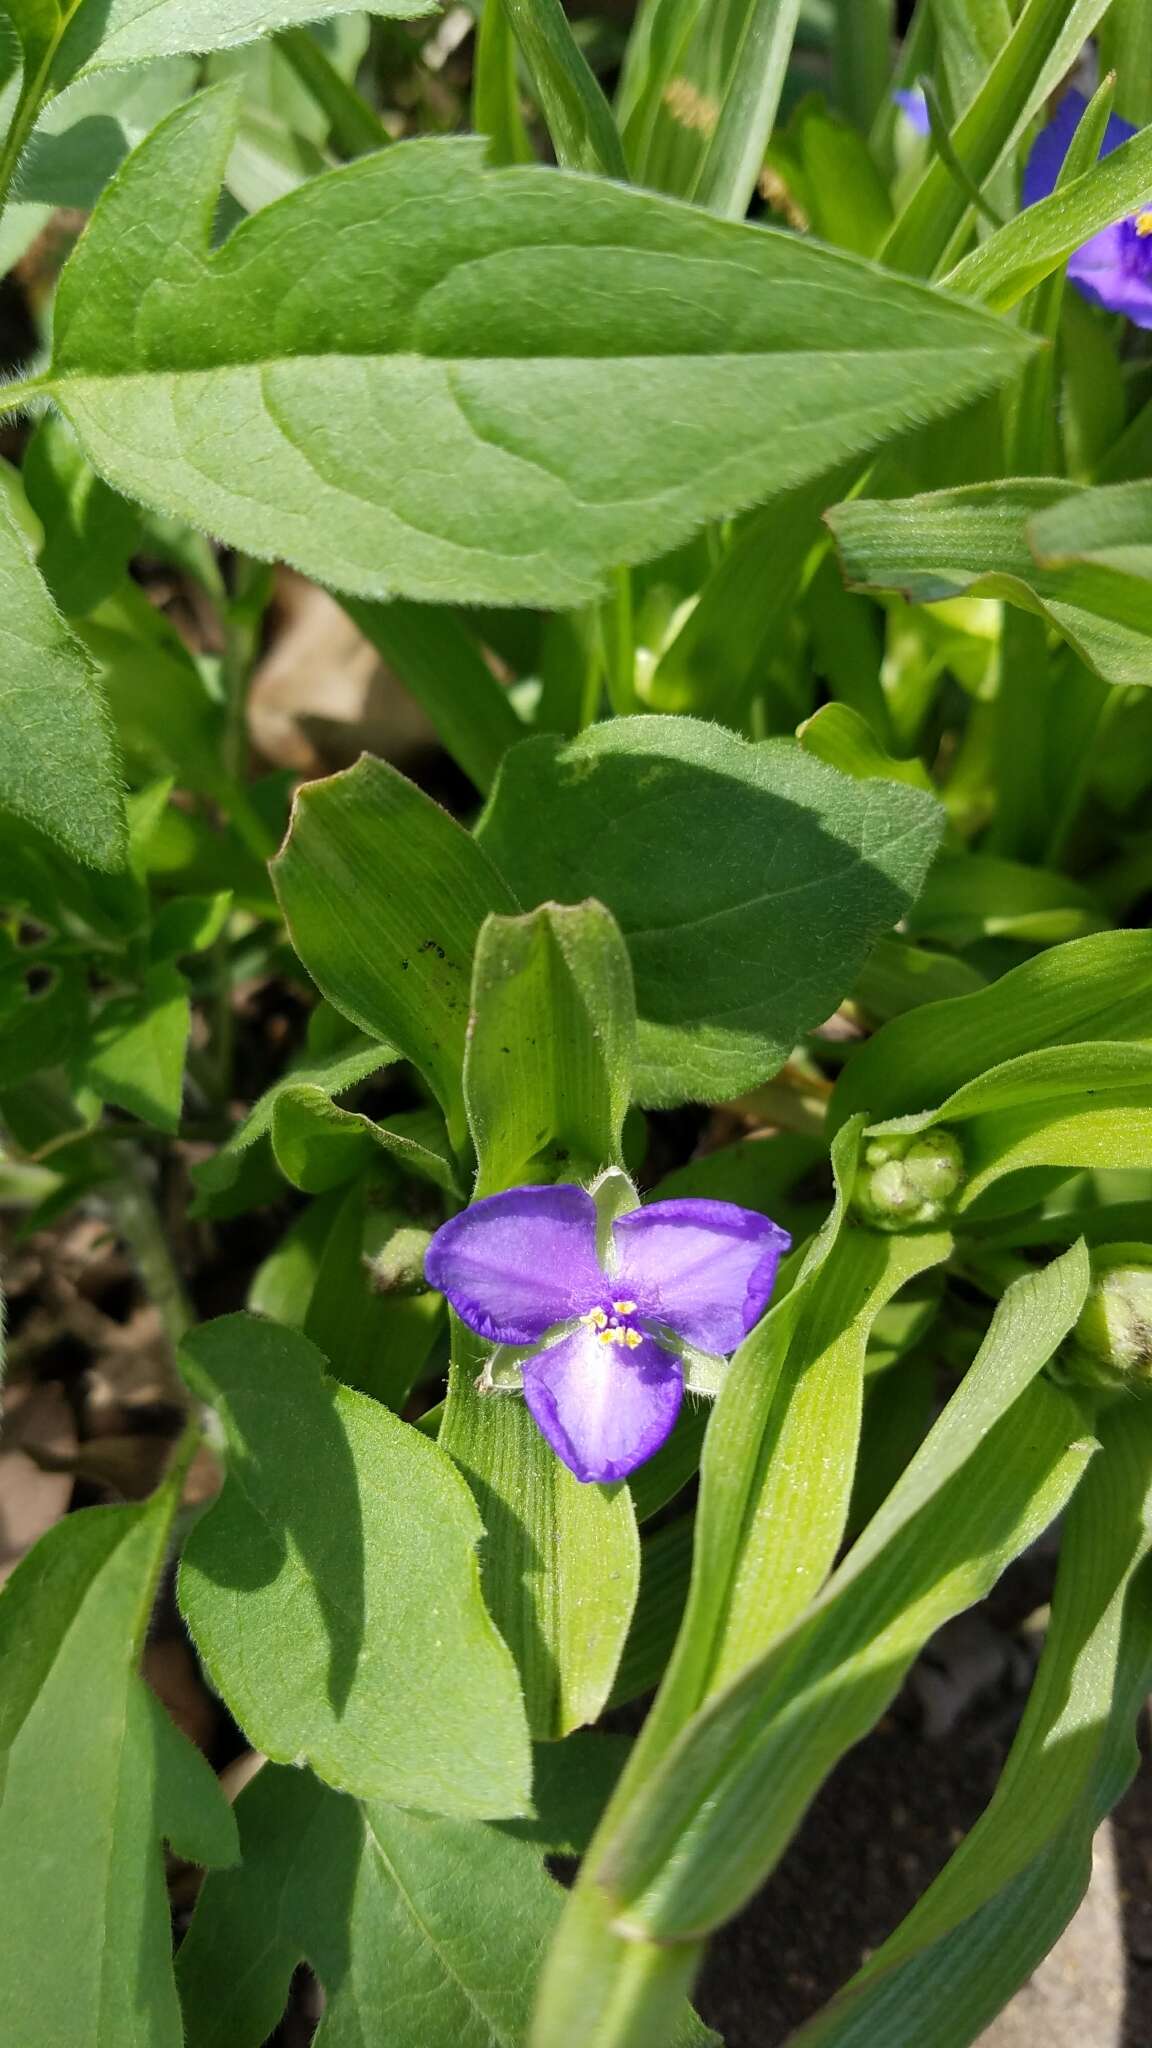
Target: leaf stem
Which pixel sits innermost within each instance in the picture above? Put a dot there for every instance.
(136, 1219)
(356, 128)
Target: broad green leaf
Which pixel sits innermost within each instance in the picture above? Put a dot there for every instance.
(844, 739)
(345, 1543)
(732, 956)
(997, 1467)
(1018, 257)
(331, 1072)
(482, 429)
(421, 1929)
(384, 896)
(58, 765)
(1098, 987)
(1000, 1902)
(93, 1776)
(439, 662)
(67, 39)
(136, 1055)
(547, 1082)
(548, 1069)
(974, 543)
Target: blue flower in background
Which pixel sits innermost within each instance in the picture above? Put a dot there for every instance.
(915, 106)
(605, 1381)
(1114, 269)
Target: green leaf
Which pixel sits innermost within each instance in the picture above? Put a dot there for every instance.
(1000, 1902)
(733, 958)
(1042, 47)
(330, 1072)
(665, 1572)
(421, 1929)
(93, 1776)
(384, 896)
(58, 765)
(548, 1070)
(318, 1146)
(547, 1081)
(975, 543)
(65, 40)
(1017, 258)
(734, 156)
(1098, 986)
(346, 1544)
(970, 896)
(138, 1046)
(577, 114)
(439, 662)
(89, 532)
(1110, 527)
(376, 1342)
(997, 1467)
(496, 89)
(844, 739)
(257, 392)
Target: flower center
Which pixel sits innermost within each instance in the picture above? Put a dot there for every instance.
(611, 1324)
(1143, 222)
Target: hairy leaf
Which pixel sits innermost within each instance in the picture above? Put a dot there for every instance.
(749, 881)
(492, 420)
(344, 1544)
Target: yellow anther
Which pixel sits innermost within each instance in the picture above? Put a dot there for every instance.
(612, 1335)
(1144, 221)
(632, 1338)
(624, 1308)
(597, 1318)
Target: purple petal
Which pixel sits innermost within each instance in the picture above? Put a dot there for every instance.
(915, 106)
(1046, 157)
(603, 1408)
(515, 1265)
(706, 1269)
(1114, 270)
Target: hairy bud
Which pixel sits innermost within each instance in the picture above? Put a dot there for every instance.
(906, 1182)
(1111, 1345)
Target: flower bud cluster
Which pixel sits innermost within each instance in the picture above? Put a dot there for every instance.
(908, 1182)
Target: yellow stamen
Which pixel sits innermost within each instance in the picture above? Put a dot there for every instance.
(597, 1318)
(1144, 221)
(612, 1335)
(632, 1338)
(624, 1308)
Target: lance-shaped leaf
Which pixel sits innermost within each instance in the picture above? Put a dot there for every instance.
(551, 375)
(547, 1082)
(325, 1071)
(975, 543)
(1110, 527)
(998, 1465)
(58, 765)
(384, 895)
(1099, 987)
(1015, 1880)
(719, 861)
(421, 1929)
(93, 1776)
(344, 1543)
(67, 39)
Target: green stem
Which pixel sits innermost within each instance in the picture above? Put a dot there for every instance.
(14, 397)
(355, 128)
(862, 58)
(136, 1220)
(24, 120)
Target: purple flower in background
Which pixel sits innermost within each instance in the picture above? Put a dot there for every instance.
(915, 106)
(605, 1383)
(1114, 269)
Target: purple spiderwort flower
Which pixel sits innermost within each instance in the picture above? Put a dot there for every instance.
(1114, 268)
(605, 1380)
(914, 105)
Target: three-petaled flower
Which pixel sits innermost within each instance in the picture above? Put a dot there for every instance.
(609, 1313)
(1114, 268)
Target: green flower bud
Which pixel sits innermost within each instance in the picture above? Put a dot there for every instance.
(1111, 1345)
(398, 1266)
(906, 1183)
